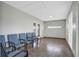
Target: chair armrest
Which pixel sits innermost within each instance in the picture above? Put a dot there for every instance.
(30, 40)
(11, 44)
(22, 41)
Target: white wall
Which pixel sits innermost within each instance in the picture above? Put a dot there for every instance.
(0, 10)
(77, 40)
(55, 32)
(13, 20)
(69, 29)
(72, 28)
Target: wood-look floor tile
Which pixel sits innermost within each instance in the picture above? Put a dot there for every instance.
(50, 48)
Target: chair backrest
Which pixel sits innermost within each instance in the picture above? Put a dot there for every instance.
(22, 36)
(2, 40)
(0, 50)
(14, 39)
(29, 36)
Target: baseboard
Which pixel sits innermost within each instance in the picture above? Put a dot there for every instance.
(41, 37)
(70, 48)
(54, 37)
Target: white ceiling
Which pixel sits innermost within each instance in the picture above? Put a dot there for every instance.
(44, 10)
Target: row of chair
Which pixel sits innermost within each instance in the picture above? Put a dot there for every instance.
(22, 38)
(18, 40)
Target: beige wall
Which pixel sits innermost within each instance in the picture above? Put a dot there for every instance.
(13, 20)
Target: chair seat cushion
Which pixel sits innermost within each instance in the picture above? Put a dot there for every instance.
(28, 42)
(18, 46)
(18, 53)
(22, 54)
(34, 37)
(8, 49)
(21, 45)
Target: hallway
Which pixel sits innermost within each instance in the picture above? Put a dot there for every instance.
(48, 47)
(25, 21)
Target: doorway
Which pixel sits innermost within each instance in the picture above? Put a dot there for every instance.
(34, 27)
(38, 30)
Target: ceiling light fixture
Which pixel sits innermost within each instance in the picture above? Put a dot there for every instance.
(54, 26)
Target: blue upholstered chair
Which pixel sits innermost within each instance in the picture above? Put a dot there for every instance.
(2, 41)
(14, 39)
(22, 38)
(34, 37)
(16, 53)
(26, 38)
(29, 38)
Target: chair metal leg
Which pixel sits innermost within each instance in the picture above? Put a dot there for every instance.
(37, 41)
(26, 46)
(32, 43)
